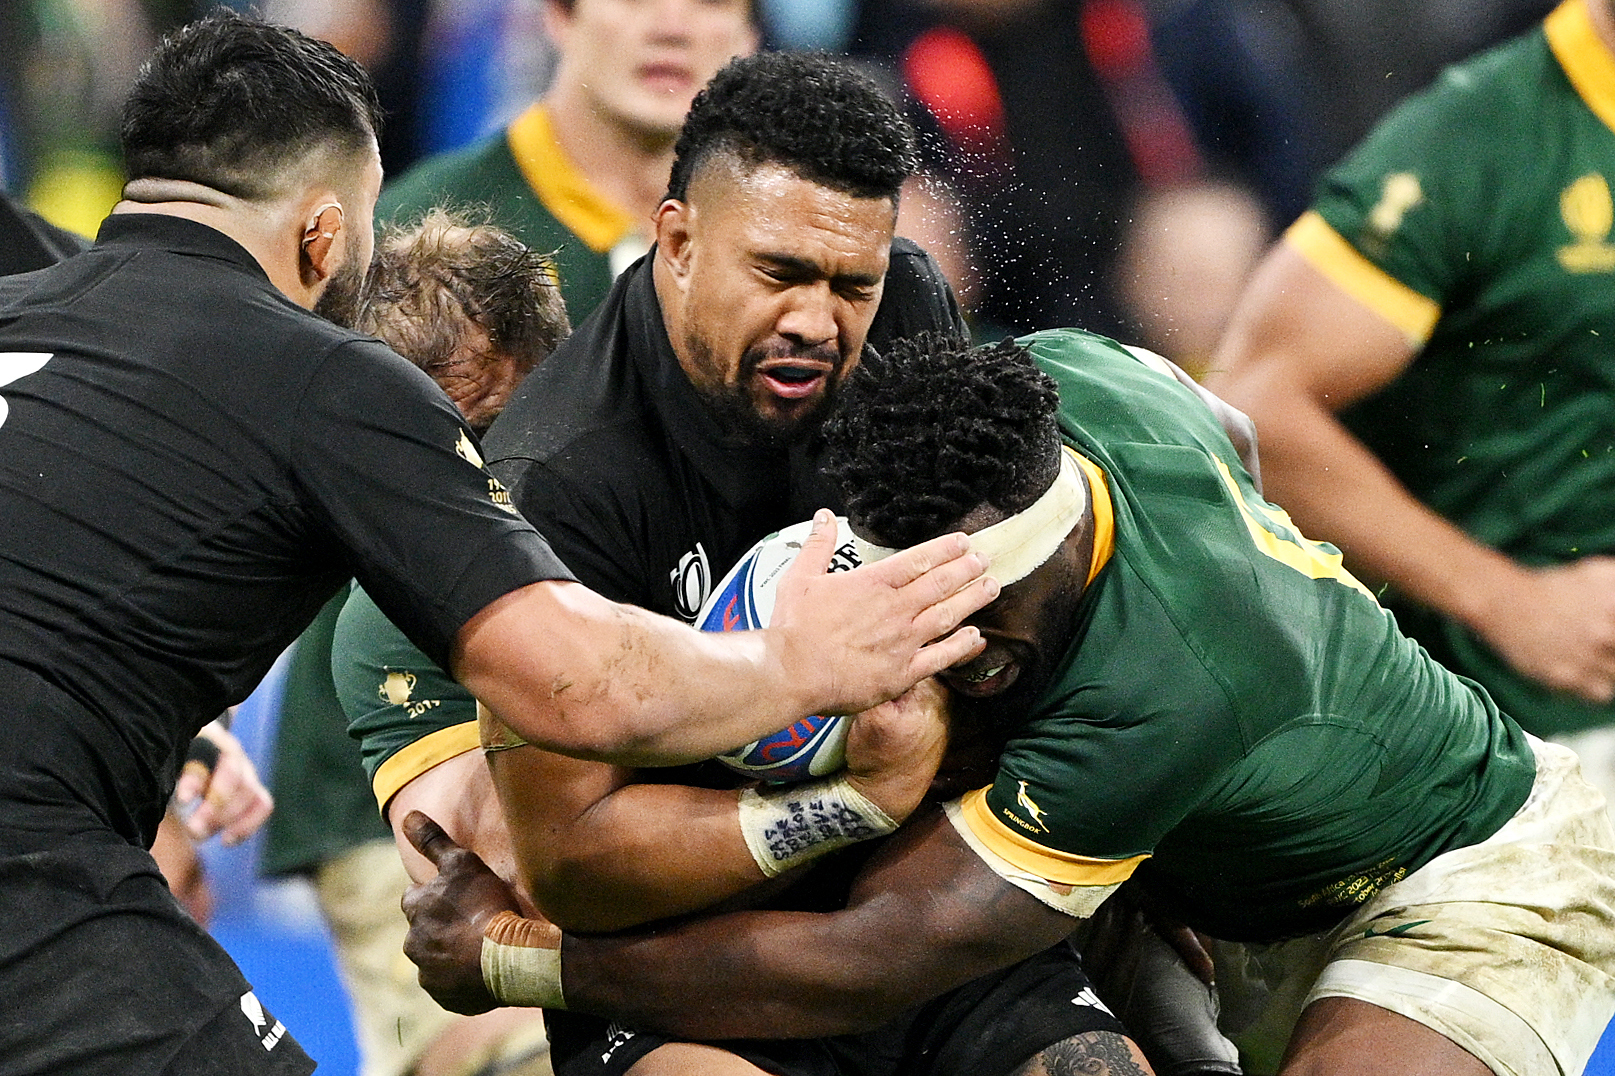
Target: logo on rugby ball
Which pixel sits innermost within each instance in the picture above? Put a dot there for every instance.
(814, 746)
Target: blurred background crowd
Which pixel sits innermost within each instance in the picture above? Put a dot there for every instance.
(1090, 154)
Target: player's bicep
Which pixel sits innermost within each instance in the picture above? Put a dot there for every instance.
(1297, 331)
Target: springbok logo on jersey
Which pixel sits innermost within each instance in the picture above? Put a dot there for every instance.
(1399, 193)
(691, 580)
(1589, 213)
(398, 687)
(1024, 801)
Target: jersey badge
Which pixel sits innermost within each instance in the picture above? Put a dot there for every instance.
(1025, 802)
(397, 688)
(1091, 1000)
(1589, 214)
(466, 449)
(17, 364)
(253, 1010)
(1399, 193)
(691, 580)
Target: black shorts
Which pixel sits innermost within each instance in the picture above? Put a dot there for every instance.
(987, 1027)
(102, 974)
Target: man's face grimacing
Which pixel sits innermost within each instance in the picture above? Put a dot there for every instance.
(768, 284)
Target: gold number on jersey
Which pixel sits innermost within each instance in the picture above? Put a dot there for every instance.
(15, 364)
(1276, 536)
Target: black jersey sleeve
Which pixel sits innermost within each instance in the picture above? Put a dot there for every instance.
(400, 482)
(587, 524)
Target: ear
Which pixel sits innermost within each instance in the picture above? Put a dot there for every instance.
(675, 222)
(316, 259)
(557, 23)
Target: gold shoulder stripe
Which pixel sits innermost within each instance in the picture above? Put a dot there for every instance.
(588, 214)
(1065, 868)
(420, 756)
(1104, 514)
(1587, 62)
(1322, 246)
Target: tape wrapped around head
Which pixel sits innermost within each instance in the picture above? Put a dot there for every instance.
(1018, 546)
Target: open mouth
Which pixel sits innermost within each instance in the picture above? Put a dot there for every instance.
(794, 379)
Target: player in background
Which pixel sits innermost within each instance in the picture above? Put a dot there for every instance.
(1425, 353)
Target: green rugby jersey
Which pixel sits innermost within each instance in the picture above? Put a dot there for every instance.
(1237, 717)
(535, 192)
(1477, 219)
(408, 714)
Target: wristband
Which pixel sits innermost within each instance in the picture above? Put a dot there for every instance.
(786, 827)
(517, 968)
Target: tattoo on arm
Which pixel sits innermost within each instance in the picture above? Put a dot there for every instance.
(1093, 1053)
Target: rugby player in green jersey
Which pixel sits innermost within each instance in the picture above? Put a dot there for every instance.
(1426, 354)
(1192, 699)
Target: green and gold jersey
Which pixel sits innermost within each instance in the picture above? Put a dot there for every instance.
(1237, 720)
(535, 192)
(408, 714)
(1478, 219)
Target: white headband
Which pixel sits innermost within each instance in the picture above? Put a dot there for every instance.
(1018, 546)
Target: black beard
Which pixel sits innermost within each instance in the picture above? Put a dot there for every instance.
(744, 427)
(339, 302)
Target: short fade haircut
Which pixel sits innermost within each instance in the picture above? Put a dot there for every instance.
(815, 115)
(933, 429)
(231, 102)
(453, 267)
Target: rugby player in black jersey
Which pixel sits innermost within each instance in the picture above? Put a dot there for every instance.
(191, 462)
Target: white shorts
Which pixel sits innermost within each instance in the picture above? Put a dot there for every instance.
(1506, 947)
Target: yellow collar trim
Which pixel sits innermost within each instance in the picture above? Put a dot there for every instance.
(586, 213)
(1104, 515)
(1586, 60)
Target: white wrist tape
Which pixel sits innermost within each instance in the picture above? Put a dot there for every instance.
(516, 968)
(791, 825)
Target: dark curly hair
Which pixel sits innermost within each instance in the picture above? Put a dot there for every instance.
(815, 115)
(230, 102)
(934, 429)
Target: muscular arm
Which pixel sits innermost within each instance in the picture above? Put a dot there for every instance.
(601, 850)
(926, 915)
(577, 674)
(1298, 350)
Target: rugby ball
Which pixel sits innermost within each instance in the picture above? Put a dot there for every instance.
(814, 746)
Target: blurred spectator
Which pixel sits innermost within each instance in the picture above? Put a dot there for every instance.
(385, 36)
(581, 170)
(1054, 123)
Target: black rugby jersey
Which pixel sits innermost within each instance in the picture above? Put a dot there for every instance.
(190, 464)
(610, 451)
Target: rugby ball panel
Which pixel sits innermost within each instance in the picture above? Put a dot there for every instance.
(744, 600)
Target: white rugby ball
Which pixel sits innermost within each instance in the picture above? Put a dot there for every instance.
(814, 746)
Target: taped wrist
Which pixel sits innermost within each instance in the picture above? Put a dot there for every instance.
(517, 967)
(786, 827)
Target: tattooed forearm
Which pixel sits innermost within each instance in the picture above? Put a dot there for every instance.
(1093, 1053)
